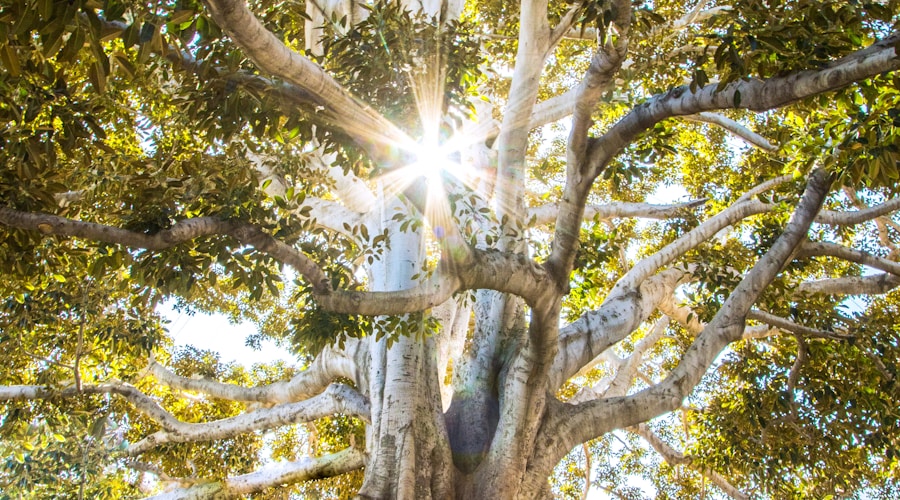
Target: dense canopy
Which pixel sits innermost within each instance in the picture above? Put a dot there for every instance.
(612, 248)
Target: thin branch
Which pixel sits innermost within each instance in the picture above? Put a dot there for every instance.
(587, 471)
(797, 329)
(794, 374)
(185, 61)
(566, 22)
(735, 128)
(141, 401)
(688, 319)
(675, 457)
(694, 16)
(161, 474)
(506, 272)
(882, 224)
(764, 186)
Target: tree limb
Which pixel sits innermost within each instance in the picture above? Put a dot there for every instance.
(620, 314)
(858, 216)
(546, 214)
(824, 248)
(753, 94)
(605, 63)
(181, 232)
(735, 128)
(675, 457)
(597, 417)
(145, 404)
(272, 475)
(328, 366)
(275, 58)
(851, 285)
(700, 234)
(792, 327)
(338, 398)
(504, 272)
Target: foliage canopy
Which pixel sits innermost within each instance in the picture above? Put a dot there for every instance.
(547, 319)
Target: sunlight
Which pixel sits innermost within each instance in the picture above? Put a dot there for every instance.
(437, 155)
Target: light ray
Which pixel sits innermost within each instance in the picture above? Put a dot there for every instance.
(436, 156)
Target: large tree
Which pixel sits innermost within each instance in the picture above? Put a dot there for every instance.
(446, 209)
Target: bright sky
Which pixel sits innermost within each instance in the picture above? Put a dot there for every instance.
(216, 333)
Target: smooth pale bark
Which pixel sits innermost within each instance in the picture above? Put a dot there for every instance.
(272, 475)
(496, 313)
(545, 214)
(338, 398)
(755, 95)
(859, 216)
(274, 57)
(693, 238)
(331, 364)
(600, 75)
(851, 285)
(604, 65)
(620, 314)
(408, 450)
(824, 248)
(568, 425)
(735, 128)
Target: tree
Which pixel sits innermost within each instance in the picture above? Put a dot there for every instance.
(442, 208)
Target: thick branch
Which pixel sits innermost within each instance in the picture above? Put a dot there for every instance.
(328, 366)
(499, 271)
(275, 58)
(599, 416)
(600, 74)
(338, 398)
(859, 216)
(852, 285)
(533, 48)
(619, 315)
(546, 214)
(181, 232)
(824, 248)
(753, 94)
(272, 475)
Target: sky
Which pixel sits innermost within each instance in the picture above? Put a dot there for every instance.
(216, 333)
